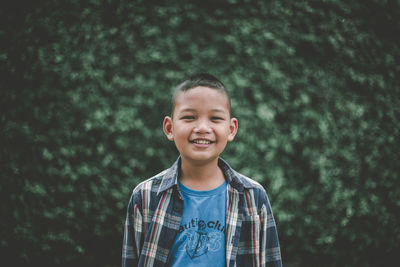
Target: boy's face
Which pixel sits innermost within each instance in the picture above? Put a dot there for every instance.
(201, 125)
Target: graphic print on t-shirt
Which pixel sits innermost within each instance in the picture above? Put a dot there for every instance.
(200, 240)
(200, 237)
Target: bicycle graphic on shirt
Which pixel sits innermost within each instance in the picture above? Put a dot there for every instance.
(198, 243)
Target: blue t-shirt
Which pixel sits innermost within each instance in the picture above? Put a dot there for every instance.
(201, 237)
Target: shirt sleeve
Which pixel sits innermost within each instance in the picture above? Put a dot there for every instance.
(132, 234)
(270, 250)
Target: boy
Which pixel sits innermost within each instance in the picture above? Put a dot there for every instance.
(200, 212)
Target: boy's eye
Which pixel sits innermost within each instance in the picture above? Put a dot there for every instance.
(217, 118)
(187, 118)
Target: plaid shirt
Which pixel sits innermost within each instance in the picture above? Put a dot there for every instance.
(155, 210)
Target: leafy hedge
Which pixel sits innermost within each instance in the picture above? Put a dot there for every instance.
(86, 84)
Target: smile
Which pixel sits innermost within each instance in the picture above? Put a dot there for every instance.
(201, 141)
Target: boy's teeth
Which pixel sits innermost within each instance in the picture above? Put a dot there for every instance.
(202, 141)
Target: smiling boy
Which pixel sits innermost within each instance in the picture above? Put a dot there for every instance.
(200, 212)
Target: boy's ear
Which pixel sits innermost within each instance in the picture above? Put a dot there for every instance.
(233, 127)
(167, 128)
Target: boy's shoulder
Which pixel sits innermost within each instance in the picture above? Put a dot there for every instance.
(153, 183)
(248, 182)
(252, 186)
(168, 177)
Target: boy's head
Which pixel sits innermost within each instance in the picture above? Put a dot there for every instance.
(201, 123)
(200, 80)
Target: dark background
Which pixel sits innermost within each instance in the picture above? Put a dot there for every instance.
(85, 86)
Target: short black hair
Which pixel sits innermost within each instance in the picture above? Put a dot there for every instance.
(200, 79)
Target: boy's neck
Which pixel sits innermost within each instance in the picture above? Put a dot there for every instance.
(201, 177)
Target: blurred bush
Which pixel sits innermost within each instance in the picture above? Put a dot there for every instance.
(85, 86)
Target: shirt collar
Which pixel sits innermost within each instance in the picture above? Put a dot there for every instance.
(170, 177)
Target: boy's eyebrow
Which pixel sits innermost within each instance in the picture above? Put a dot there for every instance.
(194, 110)
(188, 110)
(218, 110)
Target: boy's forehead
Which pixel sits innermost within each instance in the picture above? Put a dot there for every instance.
(202, 95)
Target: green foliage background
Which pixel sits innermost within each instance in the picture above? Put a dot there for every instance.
(85, 86)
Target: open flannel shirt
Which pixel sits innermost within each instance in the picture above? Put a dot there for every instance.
(155, 211)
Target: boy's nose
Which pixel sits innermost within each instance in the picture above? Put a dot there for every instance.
(202, 127)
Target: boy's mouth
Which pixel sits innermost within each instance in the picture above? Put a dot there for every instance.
(201, 141)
